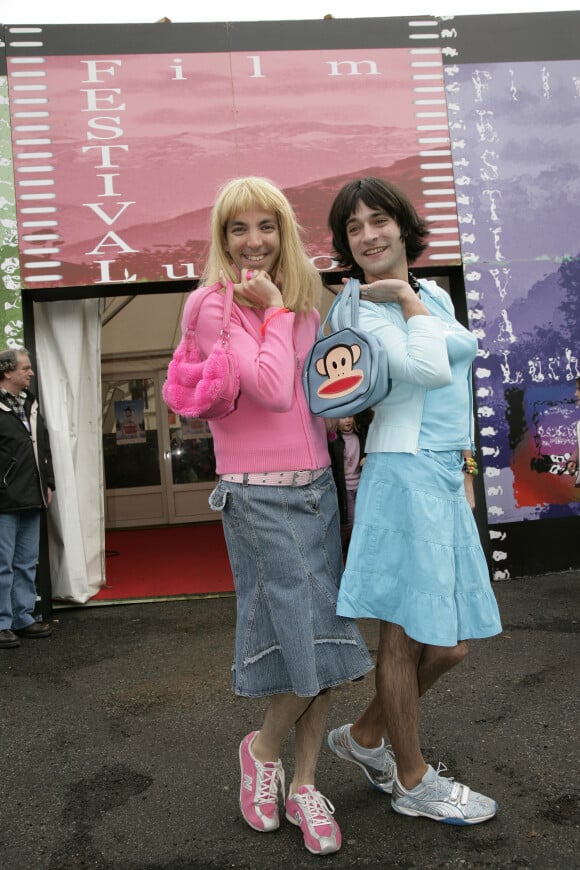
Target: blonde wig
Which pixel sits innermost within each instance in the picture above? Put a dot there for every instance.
(294, 274)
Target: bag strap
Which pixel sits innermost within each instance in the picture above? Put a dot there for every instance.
(228, 302)
(353, 289)
(350, 294)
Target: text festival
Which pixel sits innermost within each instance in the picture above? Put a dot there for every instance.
(106, 126)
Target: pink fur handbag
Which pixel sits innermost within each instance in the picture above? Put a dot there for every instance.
(204, 388)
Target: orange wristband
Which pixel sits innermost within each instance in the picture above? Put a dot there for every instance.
(271, 317)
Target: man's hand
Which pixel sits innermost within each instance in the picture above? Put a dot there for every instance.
(258, 288)
(387, 290)
(394, 290)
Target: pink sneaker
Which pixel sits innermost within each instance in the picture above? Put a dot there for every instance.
(259, 788)
(312, 812)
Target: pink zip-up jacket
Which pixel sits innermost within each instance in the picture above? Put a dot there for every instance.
(271, 428)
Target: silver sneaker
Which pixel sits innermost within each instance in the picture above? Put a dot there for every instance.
(443, 800)
(380, 776)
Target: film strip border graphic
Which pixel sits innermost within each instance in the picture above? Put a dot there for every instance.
(434, 140)
(32, 157)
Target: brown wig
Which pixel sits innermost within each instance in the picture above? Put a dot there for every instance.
(376, 193)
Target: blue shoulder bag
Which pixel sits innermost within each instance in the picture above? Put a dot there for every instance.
(347, 371)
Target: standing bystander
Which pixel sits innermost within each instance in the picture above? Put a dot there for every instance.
(26, 485)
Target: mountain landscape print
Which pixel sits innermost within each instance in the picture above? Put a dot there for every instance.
(141, 144)
(520, 212)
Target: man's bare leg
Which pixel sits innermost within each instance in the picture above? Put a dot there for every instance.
(434, 661)
(309, 716)
(310, 729)
(398, 691)
(282, 713)
(369, 728)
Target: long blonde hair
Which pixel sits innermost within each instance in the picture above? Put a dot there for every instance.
(298, 280)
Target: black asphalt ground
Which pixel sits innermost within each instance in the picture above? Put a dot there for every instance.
(119, 739)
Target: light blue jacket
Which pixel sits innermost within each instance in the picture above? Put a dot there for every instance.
(418, 362)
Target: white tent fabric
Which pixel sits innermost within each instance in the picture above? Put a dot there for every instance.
(68, 357)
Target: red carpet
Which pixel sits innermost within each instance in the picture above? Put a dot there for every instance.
(167, 561)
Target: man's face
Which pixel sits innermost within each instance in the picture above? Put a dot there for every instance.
(376, 245)
(19, 379)
(253, 240)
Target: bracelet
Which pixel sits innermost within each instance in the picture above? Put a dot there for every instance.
(271, 317)
(470, 466)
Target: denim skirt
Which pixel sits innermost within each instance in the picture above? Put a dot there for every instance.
(415, 558)
(284, 548)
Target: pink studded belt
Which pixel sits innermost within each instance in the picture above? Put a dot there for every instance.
(275, 478)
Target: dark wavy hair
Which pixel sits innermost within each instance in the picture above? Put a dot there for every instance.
(9, 359)
(376, 193)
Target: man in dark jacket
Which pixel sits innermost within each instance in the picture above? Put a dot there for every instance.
(26, 485)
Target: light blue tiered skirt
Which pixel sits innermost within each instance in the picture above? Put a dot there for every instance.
(415, 558)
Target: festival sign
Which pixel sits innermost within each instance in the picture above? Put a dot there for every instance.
(123, 134)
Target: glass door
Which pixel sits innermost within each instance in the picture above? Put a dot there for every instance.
(190, 468)
(159, 468)
(134, 485)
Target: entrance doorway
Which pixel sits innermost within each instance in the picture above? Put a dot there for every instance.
(159, 468)
(102, 364)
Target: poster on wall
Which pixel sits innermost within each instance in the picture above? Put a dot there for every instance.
(123, 134)
(130, 422)
(544, 431)
(515, 124)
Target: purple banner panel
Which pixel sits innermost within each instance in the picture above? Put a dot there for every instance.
(515, 130)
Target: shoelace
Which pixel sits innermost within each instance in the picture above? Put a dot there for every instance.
(272, 779)
(441, 768)
(318, 808)
(459, 793)
(388, 760)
